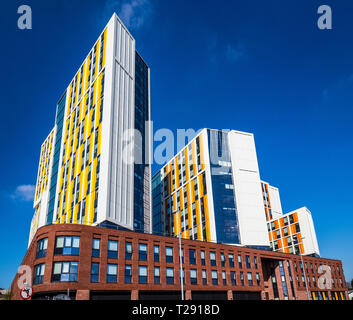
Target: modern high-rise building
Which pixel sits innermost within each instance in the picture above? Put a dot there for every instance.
(292, 232)
(90, 234)
(95, 164)
(211, 191)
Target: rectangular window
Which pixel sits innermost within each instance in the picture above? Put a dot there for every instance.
(112, 249)
(192, 256)
(242, 278)
(112, 273)
(247, 261)
(39, 273)
(255, 262)
(193, 276)
(42, 248)
(65, 271)
(231, 260)
(94, 272)
(239, 261)
(128, 273)
(203, 260)
(250, 283)
(169, 254)
(233, 278)
(157, 275)
(214, 277)
(142, 274)
(213, 258)
(258, 279)
(224, 279)
(96, 247)
(156, 253)
(128, 250)
(204, 277)
(142, 252)
(67, 245)
(223, 260)
(170, 275)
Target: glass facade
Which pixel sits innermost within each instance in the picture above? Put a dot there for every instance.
(141, 166)
(225, 212)
(157, 219)
(60, 113)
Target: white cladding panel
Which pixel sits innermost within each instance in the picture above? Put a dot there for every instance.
(247, 187)
(117, 183)
(275, 201)
(307, 230)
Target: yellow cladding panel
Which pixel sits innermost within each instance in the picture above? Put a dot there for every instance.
(69, 99)
(192, 187)
(194, 157)
(99, 86)
(96, 68)
(88, 64)
(99, 139)
(75, 214)
(177, 182)
(201, 152)
(92, 195)
(83, 107)
(84, 183)
(200, 184)
(81, 184)
(186, 157)
(207, 218)
(198, 219)
(104, 47)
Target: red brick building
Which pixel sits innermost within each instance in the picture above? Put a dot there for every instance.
(101, 263)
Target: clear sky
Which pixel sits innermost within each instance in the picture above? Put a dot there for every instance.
(257, 66)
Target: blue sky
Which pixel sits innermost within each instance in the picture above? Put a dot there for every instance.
(257, 66)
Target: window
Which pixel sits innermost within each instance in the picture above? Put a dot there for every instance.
(67, 246)
(142, 252)
(247, 261)
(156, 253)
(239, 261)
(96, 247)
(112, 249)
(233, 278)
(214, 277)
(112, 273)
(255, 262)
(258, 281)
(231, 260)
(193, 276)
(297, 228)
(94, 272)
(128, 250)
(224, 278)
(39, 273)
(142, 274)
(242, 278)
(128, 273)
(157, 275)
(170, 275)
(223, 259)
(204, 277)
(203, 260)
(64, 272)
(213, 258)
(169, 254)
(42, 248)
(192, 256)
(250, 283)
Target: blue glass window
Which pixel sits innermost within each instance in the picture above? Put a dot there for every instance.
(67, 245)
